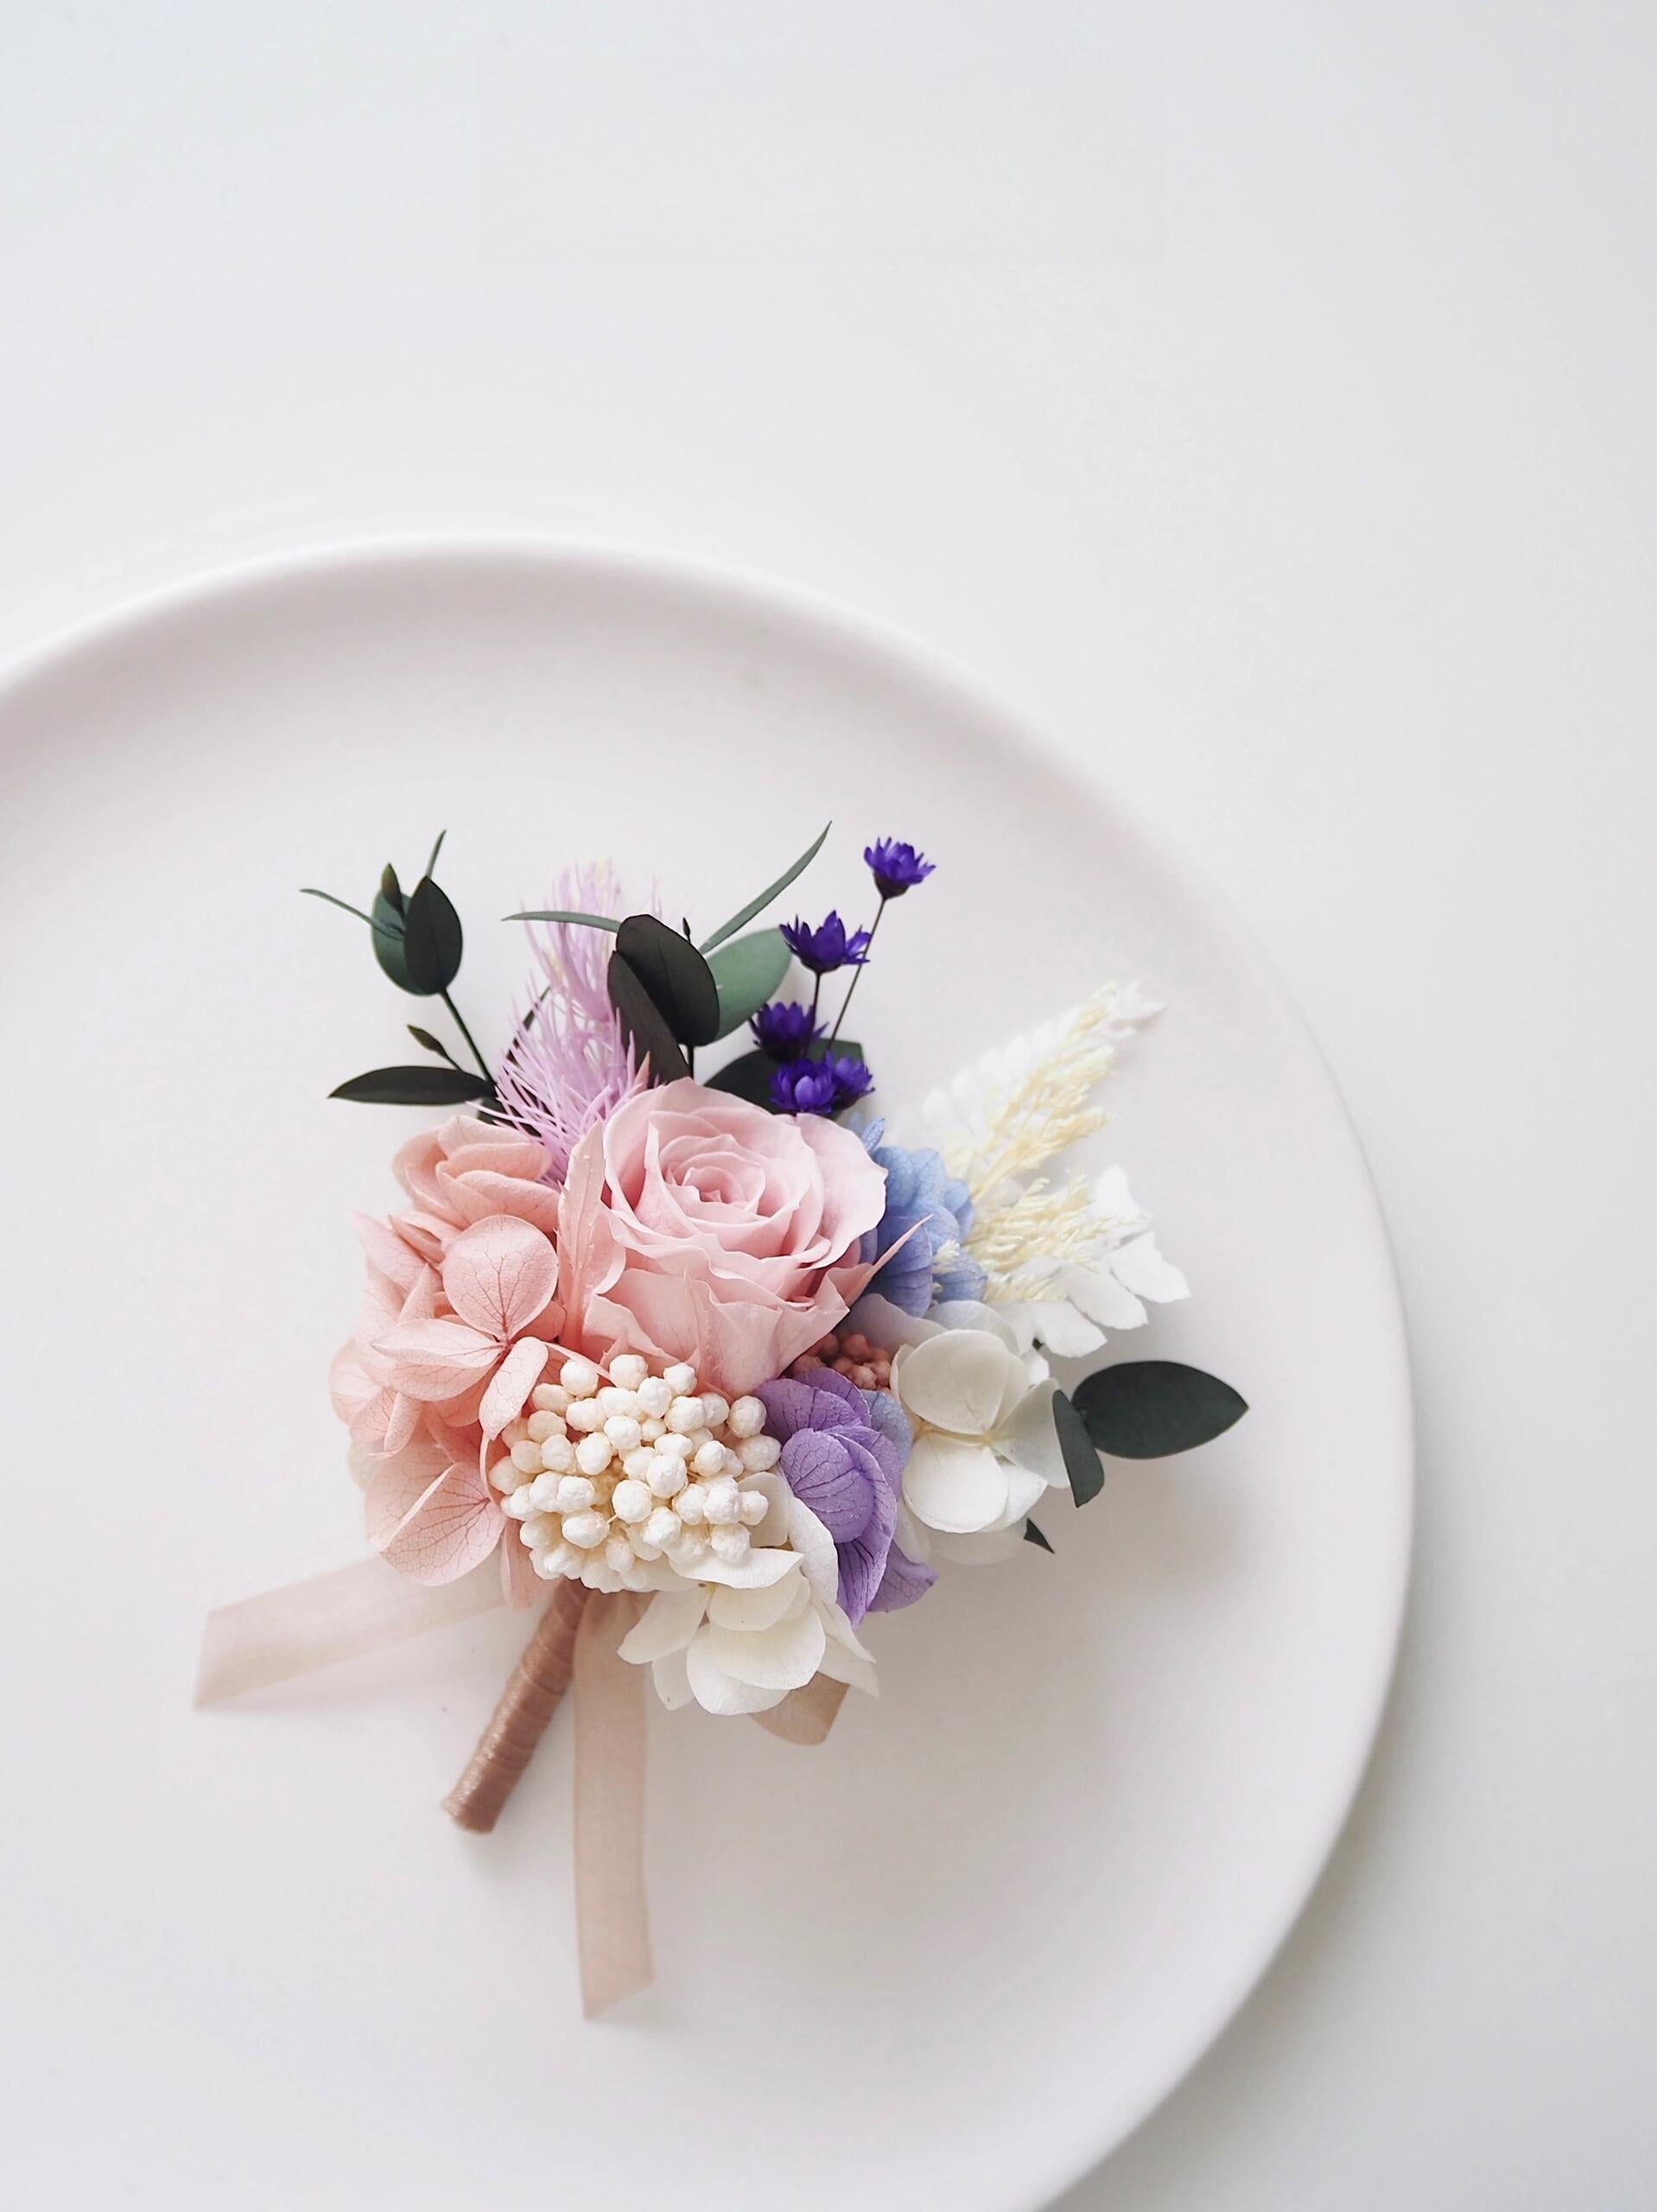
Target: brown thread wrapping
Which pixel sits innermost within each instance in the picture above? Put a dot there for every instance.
(533, 1693)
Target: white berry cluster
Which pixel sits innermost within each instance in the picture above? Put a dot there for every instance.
(611, 1482)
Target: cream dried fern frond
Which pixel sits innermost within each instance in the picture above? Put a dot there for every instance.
(1032, 1099)
(1020, 1244)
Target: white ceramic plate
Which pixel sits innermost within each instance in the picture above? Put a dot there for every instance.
(951, 1958)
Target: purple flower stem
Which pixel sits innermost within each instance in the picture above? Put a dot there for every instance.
(856, 973)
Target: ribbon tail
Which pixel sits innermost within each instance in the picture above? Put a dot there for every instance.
(612, 1916)
(283, 1633)
(806, 1716)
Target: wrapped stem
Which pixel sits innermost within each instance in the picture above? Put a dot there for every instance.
(533, 1693)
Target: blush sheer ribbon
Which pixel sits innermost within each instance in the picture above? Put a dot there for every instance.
(260, 1641)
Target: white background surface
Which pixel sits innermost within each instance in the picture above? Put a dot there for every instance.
(1261, 395)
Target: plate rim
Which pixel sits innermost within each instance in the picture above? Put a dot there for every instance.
(833, 622)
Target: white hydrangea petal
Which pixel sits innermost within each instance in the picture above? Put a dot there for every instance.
(1142, 1268)
(1021, 1316)
(783, 1656)
(886, 1324)
(959, 1381)
(748, 1610)
(1113, 1202)
(757, 1569)
(1098, 1294)
(842, 1666)
(1025, 1490)
(1030, 1442)
(953, 1485)
(974, 1313)
(672, 1681)
(669, 1621)
(717, 1692)
(838, 1627)
(1066, 1333)
(814, 1547)
(773, 1530)
(911, 1537)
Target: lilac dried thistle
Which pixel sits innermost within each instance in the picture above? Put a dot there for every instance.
(568, 1064)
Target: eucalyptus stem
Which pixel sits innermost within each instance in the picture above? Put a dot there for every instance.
(483, 1064)
(857, 972)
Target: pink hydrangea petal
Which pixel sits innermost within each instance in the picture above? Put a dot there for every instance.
(452, 1527)
(435, 1360)
(499, 1274)
(511, 1383)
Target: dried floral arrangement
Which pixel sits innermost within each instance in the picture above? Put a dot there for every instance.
(712, 1369)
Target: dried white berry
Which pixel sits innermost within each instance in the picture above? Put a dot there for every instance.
(504, 1475)
(753, 1505)
(681, 1380)
(685, 1416)
(667, 1476)
(550, 1398)
(662, 1528)
(618, 1402)
(758, 1454)
(730, 1544)
(715, 1409)
(628, 1370)
(745, 1418)
(584, 1416)
(654, 1394)
(710, 1460)
(580, 1377)
(543, 1493)
(558, 1455)
(585, 1530)
(630, 1501)
(722, 1504)
(678, 1447)
(691, 1504)
(575, 1494)
(623, 1431)
(592, 1453)
(519, 1505)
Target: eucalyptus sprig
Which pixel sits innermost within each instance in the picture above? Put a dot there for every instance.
(418, 941)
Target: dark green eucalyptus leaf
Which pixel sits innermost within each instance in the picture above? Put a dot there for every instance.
(747, 1077)
(414, 1086)
(390, 889)
(840, 1048)
(642, 1020)
(745, 915)
(432, 940)
(424, 1038)
(675, 973)
(1148, 1408)
(564, 914)
(1082, 1461)
(1033, 1536)
(747, 972)
(431, 865)
(389, 948)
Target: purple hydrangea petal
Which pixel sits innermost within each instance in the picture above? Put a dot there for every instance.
(863, 1560)
(824, 1475)
(903, 1581)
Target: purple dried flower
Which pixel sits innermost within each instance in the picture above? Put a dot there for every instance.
(786, 1030)
(568, 1064)
(830, 945)
(819, 1086)
(844, 1451)
(897, 867)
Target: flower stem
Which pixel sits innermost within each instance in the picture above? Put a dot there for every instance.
(483, 1064)
(857, 972)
